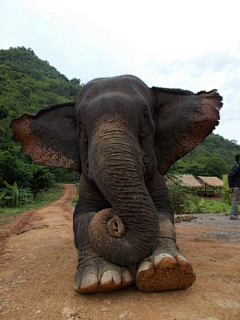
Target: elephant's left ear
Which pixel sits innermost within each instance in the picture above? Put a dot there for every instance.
(183, 120)
(50, 136)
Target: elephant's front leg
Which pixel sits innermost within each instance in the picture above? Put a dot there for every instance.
(166, 269)
(94, 274)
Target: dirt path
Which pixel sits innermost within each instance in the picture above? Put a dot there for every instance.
(38, 267)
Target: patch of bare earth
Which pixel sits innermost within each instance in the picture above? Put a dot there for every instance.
(38, 266)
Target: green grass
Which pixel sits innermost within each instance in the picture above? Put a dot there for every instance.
(43, 198)
(75, 199)
(215, 206)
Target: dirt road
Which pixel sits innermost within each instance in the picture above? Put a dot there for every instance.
(38, 267)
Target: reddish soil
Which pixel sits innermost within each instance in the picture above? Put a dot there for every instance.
(38, 263)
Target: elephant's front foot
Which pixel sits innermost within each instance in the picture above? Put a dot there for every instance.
(166, 269)
(101, 276)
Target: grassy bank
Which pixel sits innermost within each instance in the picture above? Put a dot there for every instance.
(43, 198)
(200, 205)
(75, 199)
(215, 206)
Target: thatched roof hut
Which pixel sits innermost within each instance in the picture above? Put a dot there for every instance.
(211, 185)
(211, 181)
(189, 181)
(186, 180)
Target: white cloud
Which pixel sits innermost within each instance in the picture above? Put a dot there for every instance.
(187, 44)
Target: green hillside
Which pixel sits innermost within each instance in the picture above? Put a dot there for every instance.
(28, 83)
(215, 156)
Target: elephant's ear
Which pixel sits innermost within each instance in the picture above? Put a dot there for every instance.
(183, 120)
(49, 137)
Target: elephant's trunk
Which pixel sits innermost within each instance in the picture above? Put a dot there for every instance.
(128, 232)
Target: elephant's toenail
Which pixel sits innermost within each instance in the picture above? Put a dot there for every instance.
(145, 266)
(126, 276)
(89, 280)
(110, 276)
(165, 260)
(184, 264)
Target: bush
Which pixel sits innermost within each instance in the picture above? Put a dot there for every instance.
(196, 204)
(178, 195)
(12, 196)
(20, 172)
(227, 193)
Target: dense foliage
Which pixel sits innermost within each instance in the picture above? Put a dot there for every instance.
(215, 156)
(28, 83)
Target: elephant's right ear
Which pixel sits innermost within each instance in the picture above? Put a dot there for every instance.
(183, 120)
(50, 136)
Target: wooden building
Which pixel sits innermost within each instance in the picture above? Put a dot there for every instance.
(211, 186)
(187, 181)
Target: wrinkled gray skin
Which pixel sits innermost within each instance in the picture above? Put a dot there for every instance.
(122, 136)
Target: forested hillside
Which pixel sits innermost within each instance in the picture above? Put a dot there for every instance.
(215, 156)
(28, 83)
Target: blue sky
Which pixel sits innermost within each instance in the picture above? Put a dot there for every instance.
(192, 45)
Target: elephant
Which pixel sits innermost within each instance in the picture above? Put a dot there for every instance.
(122, 136)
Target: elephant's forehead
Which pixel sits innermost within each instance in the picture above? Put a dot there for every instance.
(114, 92)
(111, 103)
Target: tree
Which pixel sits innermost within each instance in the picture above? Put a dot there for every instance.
(25, 173)
(42, 179)
(75, 81)
(214, 166)
(13, 169)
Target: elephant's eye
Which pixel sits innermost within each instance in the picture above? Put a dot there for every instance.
(145, 123)
(82, 130)
(145, 118)
(79, 124)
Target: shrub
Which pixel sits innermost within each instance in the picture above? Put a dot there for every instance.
(178, 195)
(12, 195)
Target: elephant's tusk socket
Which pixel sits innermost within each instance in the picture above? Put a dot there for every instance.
(116, 227)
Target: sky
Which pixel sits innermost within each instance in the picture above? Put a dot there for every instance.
(192, 45)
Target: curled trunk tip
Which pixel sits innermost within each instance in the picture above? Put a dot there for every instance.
(111, 239)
